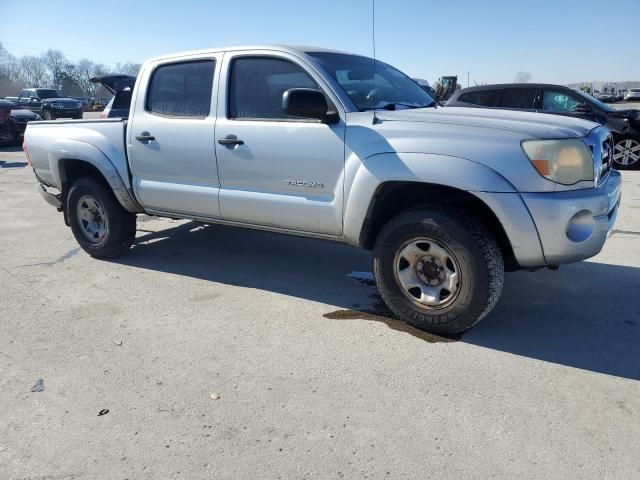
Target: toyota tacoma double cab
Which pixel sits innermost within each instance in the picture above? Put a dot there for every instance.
(331, 145)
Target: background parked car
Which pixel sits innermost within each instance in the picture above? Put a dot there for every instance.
(50, 103)
(633, 95)
(121, 87)
(13, 122)
(560, 100)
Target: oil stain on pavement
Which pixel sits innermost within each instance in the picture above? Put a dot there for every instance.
(379, 312)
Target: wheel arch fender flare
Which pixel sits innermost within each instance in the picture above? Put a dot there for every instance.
(63, 151)
(433, 169)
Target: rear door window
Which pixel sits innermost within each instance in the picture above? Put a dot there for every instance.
(181, 89)
(520, 98)
(483, 98)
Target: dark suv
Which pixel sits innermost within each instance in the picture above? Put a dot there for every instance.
(559, 100)
(50, 103)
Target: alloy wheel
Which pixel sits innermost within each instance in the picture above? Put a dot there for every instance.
(627, 152)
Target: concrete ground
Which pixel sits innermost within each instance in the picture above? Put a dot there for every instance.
(214, 352)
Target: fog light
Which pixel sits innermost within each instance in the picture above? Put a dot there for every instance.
(581, 226)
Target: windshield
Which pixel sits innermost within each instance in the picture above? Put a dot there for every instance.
(591, 99)
(389, 88)
(49, 93)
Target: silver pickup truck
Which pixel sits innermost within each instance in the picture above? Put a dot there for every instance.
(331, 145)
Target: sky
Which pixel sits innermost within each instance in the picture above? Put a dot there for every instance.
(557, 41)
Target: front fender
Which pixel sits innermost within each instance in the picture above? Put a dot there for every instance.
(74, 150)
(455, 172)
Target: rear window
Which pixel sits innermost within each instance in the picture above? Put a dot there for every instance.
(522, 98)
(181, 89)
(484, 98)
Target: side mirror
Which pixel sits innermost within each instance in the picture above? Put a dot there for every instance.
(34, 99)
(308, 103)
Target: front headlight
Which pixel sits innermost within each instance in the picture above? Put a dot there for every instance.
(566, 161)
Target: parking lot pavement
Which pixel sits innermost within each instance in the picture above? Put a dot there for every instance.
(625, 105)
(227, 353)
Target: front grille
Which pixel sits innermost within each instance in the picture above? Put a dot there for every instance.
(600, 143)
(606, 156)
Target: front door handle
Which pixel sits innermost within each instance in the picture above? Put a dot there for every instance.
(145, 137)
(230, 141)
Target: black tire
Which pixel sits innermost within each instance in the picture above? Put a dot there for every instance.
(478, 261)
(120, 230)
(623, 145)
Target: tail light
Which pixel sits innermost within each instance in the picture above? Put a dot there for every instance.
(26, 153)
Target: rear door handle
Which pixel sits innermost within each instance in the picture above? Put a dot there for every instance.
(145, 137)
(230, 140)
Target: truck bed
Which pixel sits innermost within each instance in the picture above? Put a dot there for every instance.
(50, 142)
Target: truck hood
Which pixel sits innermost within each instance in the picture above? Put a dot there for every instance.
(529, 124)
(59, 100)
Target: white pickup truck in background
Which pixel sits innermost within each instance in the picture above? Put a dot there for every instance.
(313, 142)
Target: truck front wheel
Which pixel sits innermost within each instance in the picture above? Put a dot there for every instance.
(102, 227)
(438, 269)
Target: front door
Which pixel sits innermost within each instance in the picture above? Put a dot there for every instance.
(277, 170)
(170, 140)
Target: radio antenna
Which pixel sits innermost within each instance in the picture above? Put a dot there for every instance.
(373, 41)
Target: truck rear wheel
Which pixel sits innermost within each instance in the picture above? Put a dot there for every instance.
(438, 269)
(102, 227)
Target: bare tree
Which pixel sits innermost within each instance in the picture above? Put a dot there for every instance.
(127, 68)
(33, 71)
(9, 73)
(85, 70)
(55, 62)
(522, 77)
(52, 68)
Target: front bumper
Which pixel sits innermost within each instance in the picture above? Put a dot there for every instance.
(574, 225)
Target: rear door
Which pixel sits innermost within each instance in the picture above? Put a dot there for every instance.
(170, 137)
(524, 99)
(29, 99)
